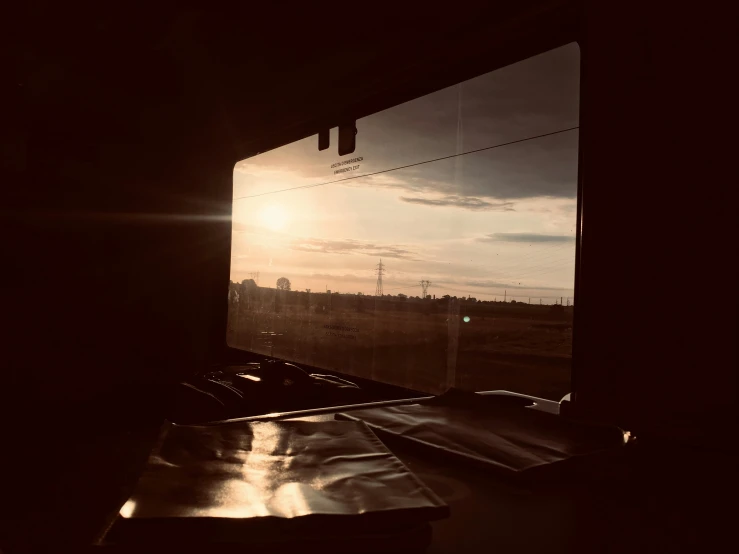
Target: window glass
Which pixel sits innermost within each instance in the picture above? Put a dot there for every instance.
(466, 195)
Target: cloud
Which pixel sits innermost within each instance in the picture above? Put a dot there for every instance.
(387, 180)
(528, 99)
(331, 246)
(350, 246)
(242, 227)
(464, 202)
(525, 237)
(345, 277)
(545, 167)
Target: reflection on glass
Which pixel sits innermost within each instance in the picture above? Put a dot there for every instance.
(440, 253)
(127, 509)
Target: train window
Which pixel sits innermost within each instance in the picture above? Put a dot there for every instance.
(440, 253)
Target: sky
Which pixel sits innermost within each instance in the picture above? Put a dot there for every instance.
(485, 224)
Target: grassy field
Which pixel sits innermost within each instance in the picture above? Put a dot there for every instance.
(423, 345)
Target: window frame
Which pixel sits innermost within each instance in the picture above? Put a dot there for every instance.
(427, 79)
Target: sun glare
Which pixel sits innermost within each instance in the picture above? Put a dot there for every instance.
(274, 217)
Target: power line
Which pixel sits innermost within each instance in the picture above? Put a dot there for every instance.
(403, 287)
(492, 294)
(547, 268)
(534, 270)
(410, 165)
(541, 255)
(538, 256)
(471, 292)
(518, 271)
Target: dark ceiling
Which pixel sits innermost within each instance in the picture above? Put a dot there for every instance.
(259, 71)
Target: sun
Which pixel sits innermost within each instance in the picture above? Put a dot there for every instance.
(274, 217)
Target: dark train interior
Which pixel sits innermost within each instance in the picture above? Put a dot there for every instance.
(122, 131)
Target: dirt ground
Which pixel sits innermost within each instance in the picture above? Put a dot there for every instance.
(525, 349)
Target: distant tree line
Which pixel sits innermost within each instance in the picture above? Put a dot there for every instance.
(247, 296)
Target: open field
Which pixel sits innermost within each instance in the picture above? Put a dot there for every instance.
(420, 344)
